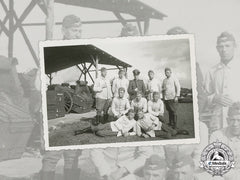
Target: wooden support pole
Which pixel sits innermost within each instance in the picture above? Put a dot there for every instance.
(11, 31)
(96, 66)
(140, 27)
(50, 19)
(120, 18)
(146, 26)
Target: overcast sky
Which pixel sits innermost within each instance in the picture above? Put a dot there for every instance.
(205, 19)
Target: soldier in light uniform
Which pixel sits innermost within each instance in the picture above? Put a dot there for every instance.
(71, 29)
(182, 168)
(171, 92)
(121, 81)
(102, 87)
(121, 163)
(152, 85)
(155, 168)
(221, 81)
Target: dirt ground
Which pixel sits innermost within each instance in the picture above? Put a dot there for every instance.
(65, 135)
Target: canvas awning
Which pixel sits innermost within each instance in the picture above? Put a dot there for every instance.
(62, 57)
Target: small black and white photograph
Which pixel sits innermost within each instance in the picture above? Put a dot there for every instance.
(119, 92)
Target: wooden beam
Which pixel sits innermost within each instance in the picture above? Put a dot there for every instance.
(84, 22)
(11, 29)
(3, 28)
(4, 6)
(43, 6)
(50, 19)
(140, 27)
(24, 14)
(120, 18)
(146, 26)
(3, 23)
(27, 41)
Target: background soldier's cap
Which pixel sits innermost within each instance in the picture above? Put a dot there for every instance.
(150, 71)
(234, 109)
(103, 69)
(136, 72)
(168, 69)
(176, 30)
(70, 21)
(225, 36)
(181, 160)
(129, 30)
(155, 162)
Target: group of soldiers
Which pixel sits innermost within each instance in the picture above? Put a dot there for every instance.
(218, 94)
(126, 108)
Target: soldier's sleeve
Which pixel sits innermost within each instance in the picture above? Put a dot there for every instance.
(113, 108)
(141, 154)
(130, 88)
(114, 86)
(177, 87)
(143, 88)
(145, 105)
(97, 86)
(209, 88)
(98, 158)
(150, 109)
(127, 107)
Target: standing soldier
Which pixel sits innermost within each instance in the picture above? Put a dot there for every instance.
(136, 85)
(122, 82)
(152, 85)
(221, 81)
(102, 87)
(171, 91)
(71, 29)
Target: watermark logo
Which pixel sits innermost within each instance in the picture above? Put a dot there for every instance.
(217, 159)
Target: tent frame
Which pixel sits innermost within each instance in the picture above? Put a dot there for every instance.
(16, 22)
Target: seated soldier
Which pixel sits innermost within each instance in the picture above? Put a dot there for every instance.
(150, 126)
(156, 107)
(139, 103)
(124, 126)
(120, 105)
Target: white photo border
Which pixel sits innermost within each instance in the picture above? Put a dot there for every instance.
(55, 43)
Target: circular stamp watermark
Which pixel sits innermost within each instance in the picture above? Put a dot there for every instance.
(217, 159)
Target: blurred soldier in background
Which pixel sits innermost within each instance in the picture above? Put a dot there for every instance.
(182, 168)
(121, 163)
(155, 168)
(221, 81)
(71, 29)
(230, 136)
(129, 30)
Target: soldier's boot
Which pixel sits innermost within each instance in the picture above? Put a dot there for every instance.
(47, 175)
(103, 119)
(169, 129)
(85, 130)
(96, 120)
(71, 174)
(163, 134)
(174, 122)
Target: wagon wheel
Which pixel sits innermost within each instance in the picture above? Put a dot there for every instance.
(68, 101)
